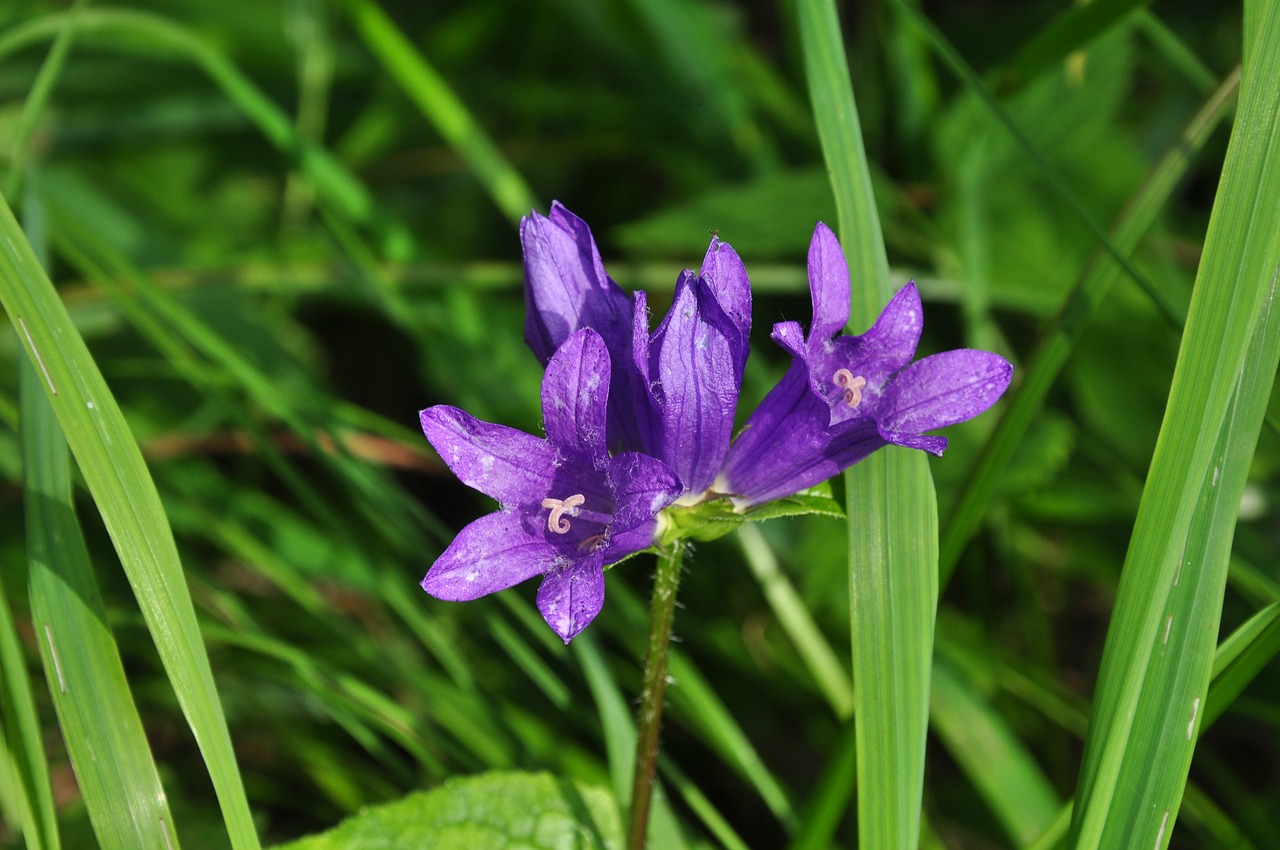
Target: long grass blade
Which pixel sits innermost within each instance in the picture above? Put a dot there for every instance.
(1059, 337)
(1159, 649)
(100, 724)
(996, 762)
(1070, 31)
(439, 105)
(117, 477)
(892, 507)
(141, 32)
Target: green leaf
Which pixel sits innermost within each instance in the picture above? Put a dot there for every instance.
(998, 764)
(1159, 650)
(113, 469)
(892, 506)
(1070, 31)
(492, 811)
(100, 724)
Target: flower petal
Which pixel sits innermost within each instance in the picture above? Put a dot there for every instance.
(627, 543)
(788, 444)
(943, 389)
(503, 463)
(790, 336)
(566, 288)
(642, 486)
(828, 284)
(694, 352)
(925, 442)
(726, 278)
(891, 342)
(575, 392)
(570, 598)
(493, 553)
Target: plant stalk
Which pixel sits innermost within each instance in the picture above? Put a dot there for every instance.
(662, 611)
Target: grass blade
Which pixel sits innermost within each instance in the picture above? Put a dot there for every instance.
(100, 723)
(1070, 31)
(149, 35)
(995, 761)
(1059, 337)
(439, 105)
(892, 507)
(117, 477)
(1156, 665)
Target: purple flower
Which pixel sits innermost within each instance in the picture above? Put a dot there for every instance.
(673, 393)
(566, 508)
(846, 396)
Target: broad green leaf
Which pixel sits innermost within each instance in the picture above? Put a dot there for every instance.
(493, 811)
(1158, 656)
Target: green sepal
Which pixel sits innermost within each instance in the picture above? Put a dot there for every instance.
(716, 517)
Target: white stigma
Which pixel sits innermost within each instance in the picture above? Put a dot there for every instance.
(556, 523)
(852, 386)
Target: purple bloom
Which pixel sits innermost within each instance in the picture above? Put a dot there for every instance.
(566, 508)
(846, 396)
(674, 392)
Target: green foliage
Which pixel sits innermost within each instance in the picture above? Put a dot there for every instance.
(275, 231)
(492, 811)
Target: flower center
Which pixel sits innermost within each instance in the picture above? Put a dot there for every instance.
(556, 523)
(852, 384)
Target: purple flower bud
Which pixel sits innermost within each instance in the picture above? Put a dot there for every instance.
(673, 393)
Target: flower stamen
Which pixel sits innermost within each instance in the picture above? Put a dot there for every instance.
(556, 523)
(852, 386)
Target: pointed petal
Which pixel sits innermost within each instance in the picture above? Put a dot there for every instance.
(629, 542)
(726, 277)
(633, 418)
(570, 598)
(694, 355)
(642, 485)
(891, 342)
(566, 288)
(943, 389)
(790, 336)
(503, 463)
(828, 284)
(925, 442)
(493, 553)
(575, 392)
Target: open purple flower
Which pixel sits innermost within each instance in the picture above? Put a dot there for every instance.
(673, 393)
(846, 396)
(566, 508)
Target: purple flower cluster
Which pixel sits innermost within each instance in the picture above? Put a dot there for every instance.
(639, 421)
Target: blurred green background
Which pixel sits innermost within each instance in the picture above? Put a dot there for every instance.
(283, 230)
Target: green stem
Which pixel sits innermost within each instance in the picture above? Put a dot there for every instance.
(662, 612)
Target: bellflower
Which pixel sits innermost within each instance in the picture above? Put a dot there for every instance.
(567, 509)
(846, 396)
(673, 393)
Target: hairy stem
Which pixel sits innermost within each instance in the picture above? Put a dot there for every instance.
(661, 615)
